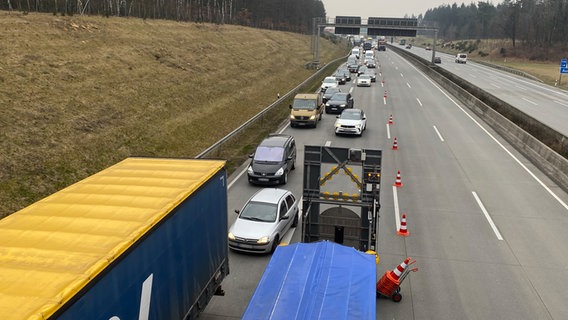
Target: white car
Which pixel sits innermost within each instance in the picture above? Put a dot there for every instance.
(461, 58)
(329, 82)
(263, 221)
(364, 80)
(351, 121)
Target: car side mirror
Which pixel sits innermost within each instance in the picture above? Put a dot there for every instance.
(337, 117)
(251, 155)
(284, 217)
(364, 118)
(237, 211)
(290, 106)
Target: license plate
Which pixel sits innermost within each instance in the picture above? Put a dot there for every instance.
(263, 179)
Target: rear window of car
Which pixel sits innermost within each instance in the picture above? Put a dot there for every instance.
(269, 154)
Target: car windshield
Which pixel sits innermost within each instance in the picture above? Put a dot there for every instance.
(338, 96)
(350, 115)
(364, 76)
(329, 80)
(331, 91)
(259, 211)
(271, 154)
(304, 104)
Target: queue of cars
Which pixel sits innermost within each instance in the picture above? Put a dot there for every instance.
(272, 211)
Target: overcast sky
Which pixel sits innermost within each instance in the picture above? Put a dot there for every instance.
(382, 8)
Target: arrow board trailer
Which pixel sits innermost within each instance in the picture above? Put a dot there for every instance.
(319, 280)
(341, 195)
(143, 239)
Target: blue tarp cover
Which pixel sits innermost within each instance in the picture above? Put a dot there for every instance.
(321, 280)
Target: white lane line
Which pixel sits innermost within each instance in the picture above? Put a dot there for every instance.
(402, 75)
(561, 103)
(497, 142)
(328, 143)
(351, 89)
(419, 102)
(496, 86)
(473, 76)
(408, 85)
(520, 87)
(529, 101)
(487, 216)
(388, 132)
(438, 133)
(396, 209)
(384, 100)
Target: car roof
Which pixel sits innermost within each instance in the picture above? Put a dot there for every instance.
(269, 195)
(352, 111)
(275, 140)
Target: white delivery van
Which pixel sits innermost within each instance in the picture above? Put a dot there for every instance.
(461, 58)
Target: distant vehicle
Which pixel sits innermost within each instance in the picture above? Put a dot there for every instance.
(370, 63)
(306, 109)
(329, 93)
(372, 74)
(273, 160)
(263, 221)
(367, 46)
(409, 46)
(341, 77)
(382, 45)
(461, 58)
(339, 102)
(428, 48)
(362, 69)
(352, 121)
(329, 82)
(402, 42)
(437, 60)
(353, 67)
(364, 80)
(347, 73)
(356, 52)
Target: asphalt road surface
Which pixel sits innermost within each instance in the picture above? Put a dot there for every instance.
(487, 229)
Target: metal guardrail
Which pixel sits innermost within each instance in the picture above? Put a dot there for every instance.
(259, 115)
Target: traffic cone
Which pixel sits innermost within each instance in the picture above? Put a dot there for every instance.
(398, 181)
(395, 144)
(403, 230)
(385, 96)
(397, 272)
(382, 83)
(390, 119)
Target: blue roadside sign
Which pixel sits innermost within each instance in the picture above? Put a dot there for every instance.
(563, 67)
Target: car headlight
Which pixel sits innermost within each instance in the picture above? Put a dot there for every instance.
(292, 117)
(327, 104)
(337, 124)
(358, 126)
(313, 117)
(249, 170)
(279, 172)
(263, 240)
(231, 236)
(343, 105)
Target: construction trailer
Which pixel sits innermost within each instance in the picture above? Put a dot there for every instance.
(349, 218)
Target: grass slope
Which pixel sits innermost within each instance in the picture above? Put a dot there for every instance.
(81, 93)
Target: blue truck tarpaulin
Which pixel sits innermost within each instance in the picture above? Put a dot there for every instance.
(321, 280)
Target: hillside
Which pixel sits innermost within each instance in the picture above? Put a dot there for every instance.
(81, 93)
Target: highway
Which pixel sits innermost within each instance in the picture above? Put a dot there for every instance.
(487, 228)
(547, 104)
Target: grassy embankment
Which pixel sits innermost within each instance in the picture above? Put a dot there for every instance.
(542, 63)
(81, 93)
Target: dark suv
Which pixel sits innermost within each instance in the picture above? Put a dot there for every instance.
(339, 102)
(273, 160)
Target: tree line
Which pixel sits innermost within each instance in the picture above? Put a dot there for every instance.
(286, 15)
(534, 22)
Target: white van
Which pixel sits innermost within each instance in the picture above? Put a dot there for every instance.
(461, 58)
(355, 52)
(369, 54)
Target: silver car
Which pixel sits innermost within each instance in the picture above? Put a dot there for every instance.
(264, 220)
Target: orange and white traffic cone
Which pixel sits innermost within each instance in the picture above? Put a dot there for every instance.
(398, 181)
(390, 280)
(397, 272)
(390, 119)
(395, 144)
(403, 230)
(385, 96)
